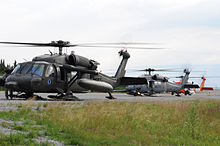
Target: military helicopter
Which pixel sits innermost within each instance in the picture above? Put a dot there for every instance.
(202, 86)
(64, 74)
(160, 84)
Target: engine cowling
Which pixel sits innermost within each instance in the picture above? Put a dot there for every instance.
(159, 78)
(77, 60)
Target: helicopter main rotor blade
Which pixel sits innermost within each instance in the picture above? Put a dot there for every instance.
(165, 70)
(20, 43)
(60, 44)
(195, 77)
(123, 47)
(82, 45)
(119, 43)
(205, 77)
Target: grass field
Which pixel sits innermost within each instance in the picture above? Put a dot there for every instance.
(115, 123)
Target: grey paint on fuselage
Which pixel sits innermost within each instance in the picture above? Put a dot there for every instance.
(158, 87)
(155, 86)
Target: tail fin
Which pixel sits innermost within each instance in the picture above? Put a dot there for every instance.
(121, 69)
(186, 77)
(203, 83)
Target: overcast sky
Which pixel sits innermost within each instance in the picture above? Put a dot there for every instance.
(190, 29)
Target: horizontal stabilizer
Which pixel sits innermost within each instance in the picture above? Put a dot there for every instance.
(206, 88)
(132, 81)
(191, 86)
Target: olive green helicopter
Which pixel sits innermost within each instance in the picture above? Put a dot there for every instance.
(65, 74)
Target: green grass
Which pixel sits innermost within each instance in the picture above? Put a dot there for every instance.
(2, 88)
(119, 123)
(19, 139)
(122, 87)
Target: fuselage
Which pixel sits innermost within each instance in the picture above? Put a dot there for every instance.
(40, 76)
(156, 87)
(61, 73)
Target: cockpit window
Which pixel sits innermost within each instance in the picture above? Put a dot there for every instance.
(22, 68)
(16, 69)
(37, 69)
(29, 68)
(25, 68)
(50, 71)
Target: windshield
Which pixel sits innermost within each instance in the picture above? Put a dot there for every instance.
(16, 69)
(29, 68)
(37, 69)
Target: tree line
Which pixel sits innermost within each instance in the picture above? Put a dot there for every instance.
(4, 66)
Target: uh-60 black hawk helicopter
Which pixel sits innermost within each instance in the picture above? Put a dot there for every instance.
(64, 74)
(160, 84)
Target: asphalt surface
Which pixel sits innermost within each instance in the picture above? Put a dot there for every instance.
(205, 95)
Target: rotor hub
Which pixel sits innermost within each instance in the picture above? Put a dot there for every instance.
(60, 43)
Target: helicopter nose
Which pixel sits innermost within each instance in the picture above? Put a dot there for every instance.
(11, 85)
(18, 83)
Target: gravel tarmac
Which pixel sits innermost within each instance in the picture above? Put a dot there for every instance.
(120, 97)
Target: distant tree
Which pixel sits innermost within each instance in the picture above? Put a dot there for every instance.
(3, 67)
(8, 66)
(3, 63)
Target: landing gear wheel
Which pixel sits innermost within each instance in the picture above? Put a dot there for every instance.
(177, 95)
(110, 96)
(10, 93)
(186, 92)
(70, 97)
(6, 93)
